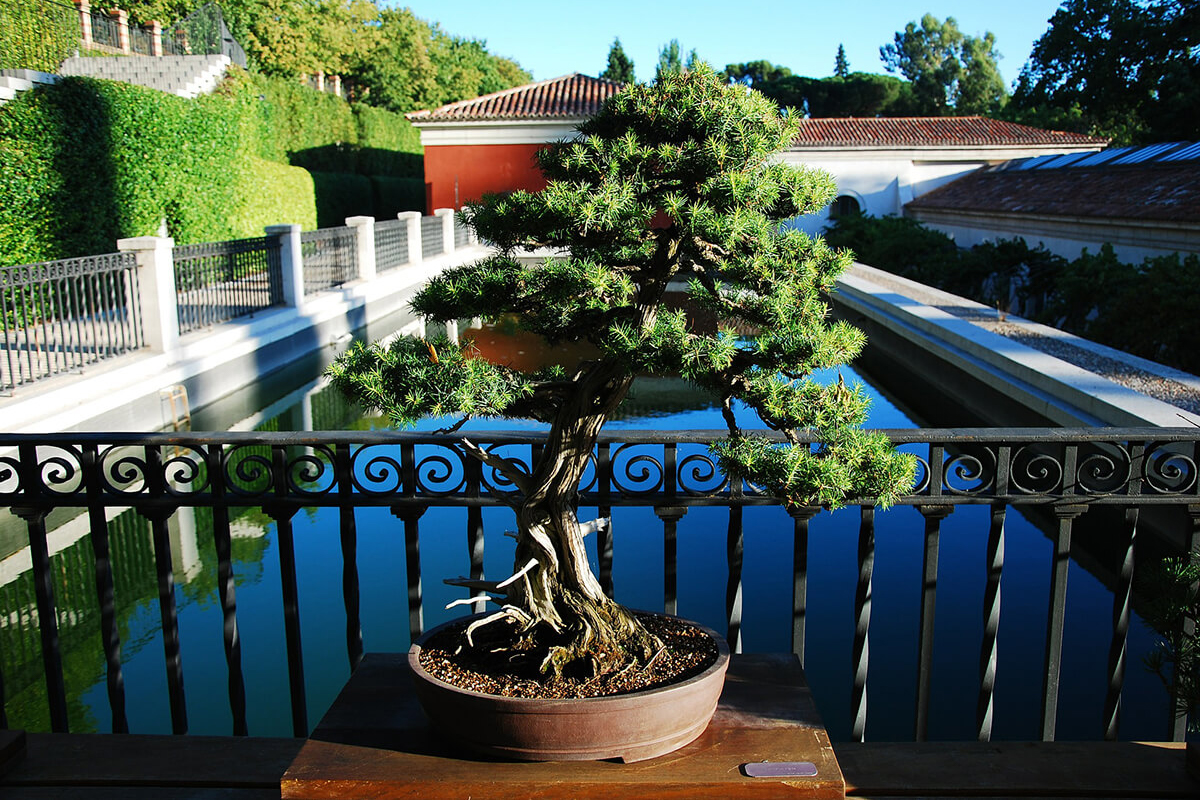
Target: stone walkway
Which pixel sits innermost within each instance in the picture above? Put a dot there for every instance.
(1154, 380)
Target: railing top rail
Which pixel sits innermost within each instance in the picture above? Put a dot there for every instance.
(899, 436)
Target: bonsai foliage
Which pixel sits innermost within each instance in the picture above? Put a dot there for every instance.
(1173, 612)
(671, 181)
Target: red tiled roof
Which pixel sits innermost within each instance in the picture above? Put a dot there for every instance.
(569, 97)
(928, 132)
(1150, 191)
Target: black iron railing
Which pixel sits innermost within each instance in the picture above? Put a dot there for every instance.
(203, 32)
(58, 316)
(106, 30)
(433, 241)
(1069, 475)
(220, 281)
(330, 258)
(391, 244)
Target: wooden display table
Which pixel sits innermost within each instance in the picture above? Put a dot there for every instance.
(376, 743)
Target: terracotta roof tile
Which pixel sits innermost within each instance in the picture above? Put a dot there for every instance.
(928, 132)
(1150, 191)
(569, 97)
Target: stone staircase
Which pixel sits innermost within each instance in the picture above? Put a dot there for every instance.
(185, 76)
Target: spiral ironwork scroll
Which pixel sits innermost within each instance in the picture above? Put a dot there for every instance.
(248, 472)
(970, 473)
(636, 474)
(1035, 471)
(698, 476)
(311, 473)
(1106, 470)
(376, 470)
(1168, 471)
(441, 473)
(183, 472)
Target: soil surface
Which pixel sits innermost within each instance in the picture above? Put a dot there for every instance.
(687, 650)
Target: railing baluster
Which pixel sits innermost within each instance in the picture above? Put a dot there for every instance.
(168, 613)
(991, 622)
(349, 540)
(475, 550)
(800, 517)
(929, 571)
(862, 622)
(733, 591)
(1122, 596)
(43, 585)
(282, 515)
(604, 537)
(670, 516)
(223, 543)
(1056, 614)
(110, 636)
(412, 566)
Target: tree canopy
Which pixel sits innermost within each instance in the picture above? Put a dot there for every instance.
(620, 66)
(950, 72)
(389, 56)
(756, 73)
(1127, 69)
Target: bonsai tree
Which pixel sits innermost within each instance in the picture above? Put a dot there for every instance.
(669, 181)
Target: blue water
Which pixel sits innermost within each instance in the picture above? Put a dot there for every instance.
(638, 579)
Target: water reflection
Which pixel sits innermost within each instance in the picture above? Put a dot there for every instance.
(638, 579)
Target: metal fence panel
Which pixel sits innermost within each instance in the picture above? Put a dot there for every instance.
(106, 31)
(140, 41)
(391, 245)
(432, 241)
(58, 316)
(462, 234)
(221, 281)
(330, 258)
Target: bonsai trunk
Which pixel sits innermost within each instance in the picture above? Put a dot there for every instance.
(590, 633)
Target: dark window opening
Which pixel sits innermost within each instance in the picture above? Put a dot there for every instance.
(843, 206)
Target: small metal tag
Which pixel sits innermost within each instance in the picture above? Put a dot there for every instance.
(780, 769)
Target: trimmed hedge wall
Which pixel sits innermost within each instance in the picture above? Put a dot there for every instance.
(87, 162)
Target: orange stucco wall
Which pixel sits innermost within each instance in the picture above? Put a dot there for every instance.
(455, 174)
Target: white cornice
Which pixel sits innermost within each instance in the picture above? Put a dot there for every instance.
(932, 153)
(462, 132)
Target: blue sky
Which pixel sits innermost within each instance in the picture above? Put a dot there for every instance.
(556, 37)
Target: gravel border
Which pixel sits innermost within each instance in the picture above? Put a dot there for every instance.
(1176, 393)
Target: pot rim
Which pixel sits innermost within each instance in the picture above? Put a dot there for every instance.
(720, 663)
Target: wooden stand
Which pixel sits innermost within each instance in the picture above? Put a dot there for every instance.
(376, 743)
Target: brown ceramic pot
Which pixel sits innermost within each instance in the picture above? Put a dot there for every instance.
(631, 727)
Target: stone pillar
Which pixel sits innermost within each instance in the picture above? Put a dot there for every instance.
(335, 84)
(291, 262)
(122, 28)
(85, 21)
(156, 48)
(320, 76)
(156, 279)
(447, 215)
(364, 231)
(413, 219)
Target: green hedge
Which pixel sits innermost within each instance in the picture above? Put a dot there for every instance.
(37, 35)
(1147, 309)
(323, 133)
(87, 162)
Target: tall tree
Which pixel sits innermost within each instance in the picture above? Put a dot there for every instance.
(841, 67)
(620, 67)
(756, 73)
(670, 60)
(1129, 69)
(980, 88)
(937, 58)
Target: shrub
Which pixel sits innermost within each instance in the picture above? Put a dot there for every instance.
(36, 35)
(393, 195)
(340, 195)
(272, 194)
